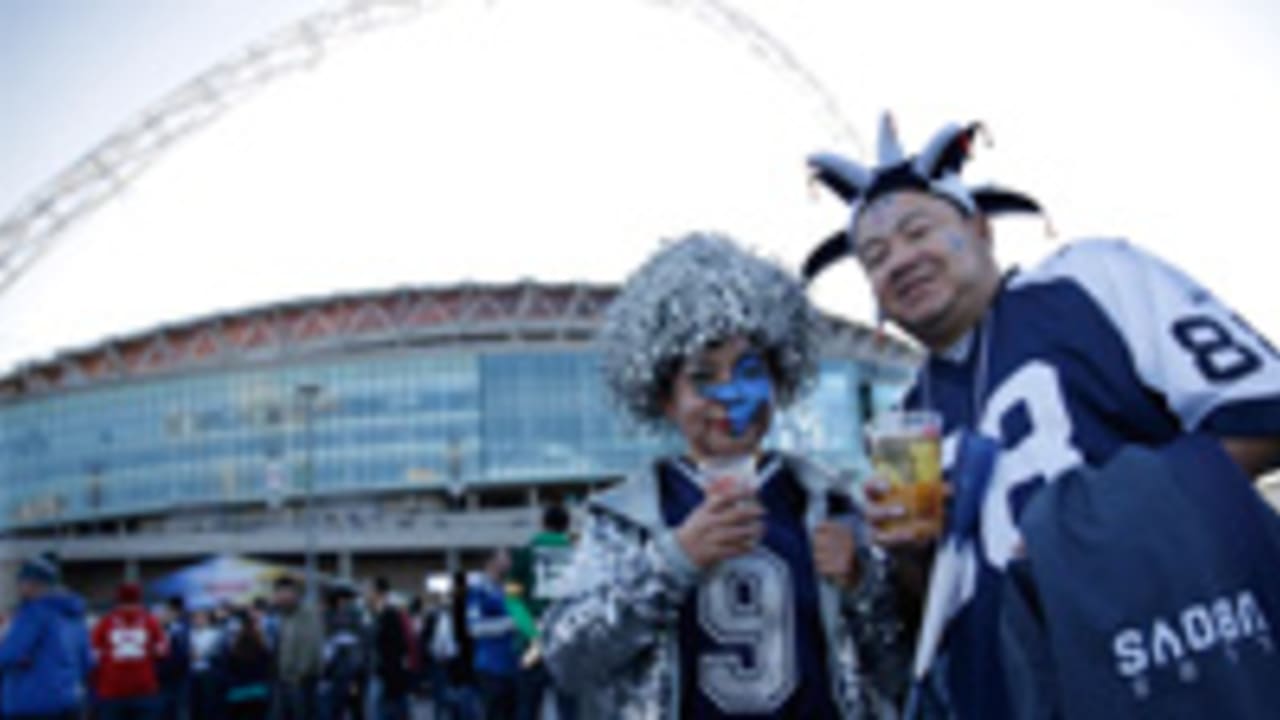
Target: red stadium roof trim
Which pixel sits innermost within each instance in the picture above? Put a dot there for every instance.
(205, 344)
(343, 324)
(155, 355)
(371, 317)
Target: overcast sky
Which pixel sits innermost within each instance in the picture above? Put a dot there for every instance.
(499, 139)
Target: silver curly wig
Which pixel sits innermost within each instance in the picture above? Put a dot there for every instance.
(695, 291)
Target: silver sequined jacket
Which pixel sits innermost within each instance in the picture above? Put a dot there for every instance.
(611, 640)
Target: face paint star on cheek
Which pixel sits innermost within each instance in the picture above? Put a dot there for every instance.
(747, 396)
(956, 242)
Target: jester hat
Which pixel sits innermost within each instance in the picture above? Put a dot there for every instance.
(935, 170)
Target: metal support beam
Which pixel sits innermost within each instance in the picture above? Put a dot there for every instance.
(8, 588)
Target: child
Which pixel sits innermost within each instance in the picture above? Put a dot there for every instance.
(726, 582)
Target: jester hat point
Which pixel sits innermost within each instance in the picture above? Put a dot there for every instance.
(935, 170)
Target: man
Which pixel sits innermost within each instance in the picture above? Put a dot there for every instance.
(341, 694)
(206, 645)
(538, 571)
(299, 652)
(175, 668)
(391, 653)
(453, 649)
(728, 581)
(44, 655)
(494, 631)
(128, 642)
(1100, 347)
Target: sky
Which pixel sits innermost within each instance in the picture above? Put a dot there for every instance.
(496, 140)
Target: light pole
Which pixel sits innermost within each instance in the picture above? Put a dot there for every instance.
(307, 393)
(454, 460)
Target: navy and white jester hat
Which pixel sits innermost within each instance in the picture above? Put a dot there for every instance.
(936, 169)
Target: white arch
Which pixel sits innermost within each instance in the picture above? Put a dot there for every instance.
(116, 162)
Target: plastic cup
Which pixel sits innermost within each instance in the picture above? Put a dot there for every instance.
(906, 449)
(722, 475)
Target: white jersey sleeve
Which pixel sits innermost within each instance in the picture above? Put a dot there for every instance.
(1185, 344)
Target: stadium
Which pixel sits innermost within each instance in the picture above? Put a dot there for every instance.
(235, 392)
(152, 433)
(420, 425)
(312, 288)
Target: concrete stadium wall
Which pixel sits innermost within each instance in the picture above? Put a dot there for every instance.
(8, 582)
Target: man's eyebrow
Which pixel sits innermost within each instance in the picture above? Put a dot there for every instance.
(911, 215)
(899, 227)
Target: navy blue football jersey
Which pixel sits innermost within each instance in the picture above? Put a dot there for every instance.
(1099, 347)
(751, 639)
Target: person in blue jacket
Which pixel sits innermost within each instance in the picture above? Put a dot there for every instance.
(44, 657)
(496, 660)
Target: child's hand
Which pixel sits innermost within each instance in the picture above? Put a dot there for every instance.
(728, 523)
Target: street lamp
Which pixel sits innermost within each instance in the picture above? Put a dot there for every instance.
(453, 458)
(307, 393)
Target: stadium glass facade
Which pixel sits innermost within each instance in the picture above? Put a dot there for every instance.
(439, 418)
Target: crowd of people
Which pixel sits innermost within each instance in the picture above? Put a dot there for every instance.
(470, 655)
(736, 580)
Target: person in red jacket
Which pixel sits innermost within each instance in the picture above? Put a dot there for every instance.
(127, 643)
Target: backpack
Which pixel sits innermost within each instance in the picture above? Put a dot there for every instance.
(412, 650)
(344, 651)
(177, 663)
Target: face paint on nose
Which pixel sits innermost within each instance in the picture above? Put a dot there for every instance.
(746, 396)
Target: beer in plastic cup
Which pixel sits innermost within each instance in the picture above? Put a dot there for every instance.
(906, 451)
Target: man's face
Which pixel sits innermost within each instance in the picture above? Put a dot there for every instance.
(500, 563)
(706, 422)
(28, 589)
(926, 262)
(286, 597)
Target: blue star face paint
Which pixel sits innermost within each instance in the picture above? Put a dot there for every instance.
(956, 242)
(746, 396)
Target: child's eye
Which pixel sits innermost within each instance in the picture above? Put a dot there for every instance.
(701, 377)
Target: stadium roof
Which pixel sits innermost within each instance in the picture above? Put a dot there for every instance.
(349, 323)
